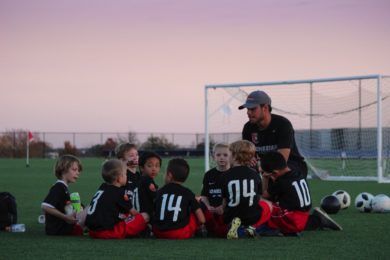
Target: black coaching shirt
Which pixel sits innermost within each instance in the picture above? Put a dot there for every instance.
(145, 196)
(174, 204)
(106, 205)
(131, 184)
(291, 191)
(212, 187)
(241, 191)
(57, 198)
(278, 135)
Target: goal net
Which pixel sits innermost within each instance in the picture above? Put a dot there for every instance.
(342, 125)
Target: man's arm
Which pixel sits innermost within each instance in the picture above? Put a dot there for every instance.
(285, 152)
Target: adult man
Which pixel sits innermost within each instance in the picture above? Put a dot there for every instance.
(270, 132)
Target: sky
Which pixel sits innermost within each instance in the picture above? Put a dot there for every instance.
(142, 65)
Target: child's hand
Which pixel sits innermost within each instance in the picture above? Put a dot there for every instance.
(253, 162)
(266, 174)
(211, 209)
(70, 219)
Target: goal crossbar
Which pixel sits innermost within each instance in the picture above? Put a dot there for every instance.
(377, 77)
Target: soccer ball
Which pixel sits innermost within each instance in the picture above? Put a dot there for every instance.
(363, 202)
(344, 198)
(380, 203)
(330, 204)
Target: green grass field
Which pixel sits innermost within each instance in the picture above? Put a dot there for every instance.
(365, 235)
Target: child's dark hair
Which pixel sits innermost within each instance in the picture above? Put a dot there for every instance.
(121, 149)
(273, 160)
(111, 169)
(179, 169)
(146, 156)
(64, 163)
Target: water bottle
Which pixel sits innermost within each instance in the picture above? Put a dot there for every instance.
(18, 228)
(75, 200)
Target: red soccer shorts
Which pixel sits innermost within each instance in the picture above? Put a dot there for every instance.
(181, 233)
(129, 227)
(215, 224)
(288, 221)
(265, 214)
(77, 230)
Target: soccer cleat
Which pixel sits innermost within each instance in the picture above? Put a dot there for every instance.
(232, 233)
(250, 232)
(326, 221)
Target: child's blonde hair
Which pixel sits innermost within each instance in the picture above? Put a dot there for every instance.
(243, 151)
(121, 149)
(220, 145)
(64, 163)
(111, 169)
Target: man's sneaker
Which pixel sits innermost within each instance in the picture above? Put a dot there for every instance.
(232, 233)
(250, 232)
(326, 221)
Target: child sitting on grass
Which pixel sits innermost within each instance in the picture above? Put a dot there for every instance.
(211, 194)
(177, 212)
(59, 216)
(292, 201)
(149, 164)
(241, 192)
(128, 153)
(110, 213)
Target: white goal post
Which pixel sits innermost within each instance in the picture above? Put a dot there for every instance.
(342, 125)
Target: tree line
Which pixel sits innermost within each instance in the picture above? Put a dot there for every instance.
(13, 144)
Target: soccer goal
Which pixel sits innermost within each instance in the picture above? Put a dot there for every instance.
(342, 125)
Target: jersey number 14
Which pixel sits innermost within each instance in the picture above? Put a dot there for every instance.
(172, 206)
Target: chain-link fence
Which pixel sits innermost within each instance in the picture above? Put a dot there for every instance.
(50, 144)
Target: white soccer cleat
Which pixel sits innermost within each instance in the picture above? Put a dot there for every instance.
(232, 233)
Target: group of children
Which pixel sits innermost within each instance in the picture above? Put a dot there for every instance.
(236, 200)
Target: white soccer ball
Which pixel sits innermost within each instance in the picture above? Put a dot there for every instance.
(380, 203)
(363, 202)
(343, 197)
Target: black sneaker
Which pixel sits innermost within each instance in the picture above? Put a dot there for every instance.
(232, 234)
(326, 221)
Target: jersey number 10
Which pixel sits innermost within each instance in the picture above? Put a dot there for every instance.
(302, 192)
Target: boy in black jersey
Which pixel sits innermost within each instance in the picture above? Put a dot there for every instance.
(211, 194)
(290, 191)
(241, 192)
(110, 214)
(57, 202)
(128, 153)
(177, 212)
(150, 164)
